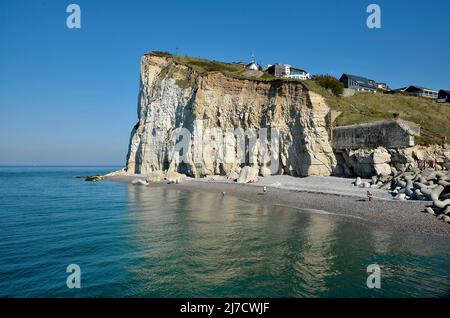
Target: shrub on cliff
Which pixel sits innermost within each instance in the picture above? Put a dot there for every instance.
(331, 83)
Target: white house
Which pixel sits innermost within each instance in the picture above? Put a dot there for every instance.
(253, 66)
(298, 73)
(287, 71)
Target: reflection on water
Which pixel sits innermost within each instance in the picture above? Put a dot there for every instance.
(203, 244)
(150, 242)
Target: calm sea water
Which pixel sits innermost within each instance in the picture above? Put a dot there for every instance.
(132, 241)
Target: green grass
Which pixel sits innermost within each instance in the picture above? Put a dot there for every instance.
(434, 118)
(161, 53)
(205, 66)
(268, 77)
(182, 83)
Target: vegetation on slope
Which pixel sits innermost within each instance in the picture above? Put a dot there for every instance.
(204, 66)
(434, 118)
(330, 83)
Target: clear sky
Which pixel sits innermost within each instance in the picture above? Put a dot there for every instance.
(69, 96)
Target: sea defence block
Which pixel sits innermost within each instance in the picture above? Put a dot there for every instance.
(389, 134)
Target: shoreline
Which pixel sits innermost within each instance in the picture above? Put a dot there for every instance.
(345, 202)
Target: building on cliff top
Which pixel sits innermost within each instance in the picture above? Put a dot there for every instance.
(418, 91)
(383, 87)
(395, 133)
(253, 65)
(444, 96)
(358, 83)
(287, 71)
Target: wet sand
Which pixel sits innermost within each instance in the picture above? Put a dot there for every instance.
(336, 196)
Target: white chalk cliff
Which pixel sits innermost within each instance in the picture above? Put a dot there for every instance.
(173, 95)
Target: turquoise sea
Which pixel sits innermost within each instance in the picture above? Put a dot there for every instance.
(132, 241)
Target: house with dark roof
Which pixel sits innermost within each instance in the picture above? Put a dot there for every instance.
(444, 96)
(420, 91)
(358, 83)
(398, 90)
(277, 70)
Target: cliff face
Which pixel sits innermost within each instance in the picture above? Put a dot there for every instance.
(173, 95)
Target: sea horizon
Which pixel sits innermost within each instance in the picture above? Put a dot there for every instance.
(227, 158)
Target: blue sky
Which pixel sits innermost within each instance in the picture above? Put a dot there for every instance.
(70, 96)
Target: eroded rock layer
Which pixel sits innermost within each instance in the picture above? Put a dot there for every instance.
(174, 95)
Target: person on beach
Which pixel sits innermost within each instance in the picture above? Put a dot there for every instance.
(369, 195)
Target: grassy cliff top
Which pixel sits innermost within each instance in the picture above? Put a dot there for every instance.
(433, 117)
(204, 66)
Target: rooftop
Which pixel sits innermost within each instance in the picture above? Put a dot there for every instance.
(362, 81)
(420, 88)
